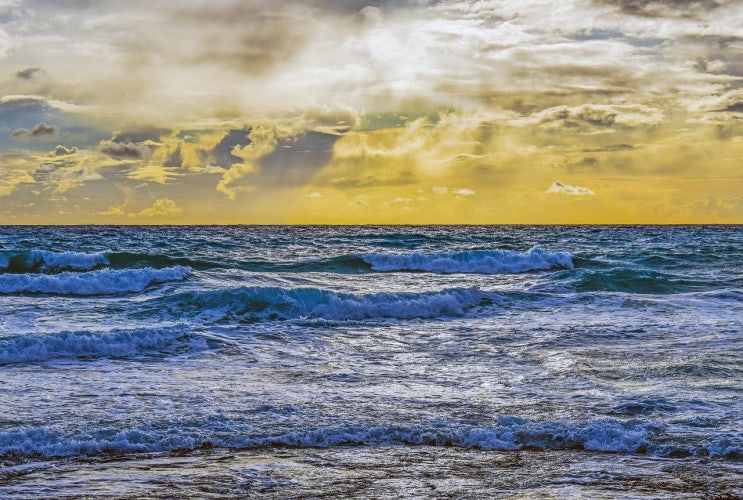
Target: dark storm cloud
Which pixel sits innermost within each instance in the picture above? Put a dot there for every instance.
(40, 130)
(222, 152)
(141, 134)
(735, 107)
(32, 74)
(126, 150)
(666, 8)
(586, 162)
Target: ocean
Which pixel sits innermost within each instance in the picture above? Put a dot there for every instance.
(371, 362)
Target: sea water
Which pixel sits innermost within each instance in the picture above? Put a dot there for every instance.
(494, 361)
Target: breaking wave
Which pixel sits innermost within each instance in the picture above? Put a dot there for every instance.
(94, 344)
(100, 282)
(275, 303)
(33, 261)
(509, 433)
(474, 261)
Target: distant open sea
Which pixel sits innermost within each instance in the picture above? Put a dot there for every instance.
(371, 361)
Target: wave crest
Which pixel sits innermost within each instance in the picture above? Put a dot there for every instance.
(473, 261)
(48, 261)
(509, 433)
(101, 282)
(271, 303)
(93, 344)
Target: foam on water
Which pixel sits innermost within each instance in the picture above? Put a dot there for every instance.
(269, 303)
(101, 282)
(94, 344)
(474, 261)
(610, 436)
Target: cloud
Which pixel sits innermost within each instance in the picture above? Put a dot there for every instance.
(441, 190)
(140, 134)
(33, 74)
(39, 131)
(63, 175)
(151, 172)
(694, 9)
(163, 207)
(126, 150)
(559, 188)
(63, 151)
(610, 148)
(402, 178)
(595, 116)
(333, 120)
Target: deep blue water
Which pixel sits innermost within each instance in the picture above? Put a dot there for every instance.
(600, 360)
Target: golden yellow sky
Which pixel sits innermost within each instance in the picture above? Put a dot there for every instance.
(232, 111)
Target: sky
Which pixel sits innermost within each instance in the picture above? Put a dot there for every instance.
(356, 112)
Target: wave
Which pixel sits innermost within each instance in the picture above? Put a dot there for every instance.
(275, 303)
(95, 344)
(33, 261)
(473, 261)
(125, 260)
(101, 282)
(628, 280)
(48, 262)
(508, 434)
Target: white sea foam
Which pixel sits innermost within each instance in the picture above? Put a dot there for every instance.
(474, 261)
(600, 435)
(102, 282)
(94, 344)
(313, 303)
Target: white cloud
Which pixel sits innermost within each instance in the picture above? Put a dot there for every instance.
(440, 190)
(559, 188)
(163, 207)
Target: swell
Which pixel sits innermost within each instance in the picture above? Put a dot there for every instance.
(472, 261)
(100, 282)
(87, 344)
(35, 261)
(632, 280)
(252, 304)
(50, 262)
(509, 433)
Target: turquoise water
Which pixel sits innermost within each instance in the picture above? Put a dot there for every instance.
(371, 361)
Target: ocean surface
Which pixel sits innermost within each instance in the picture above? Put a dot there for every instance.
(371, 362)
